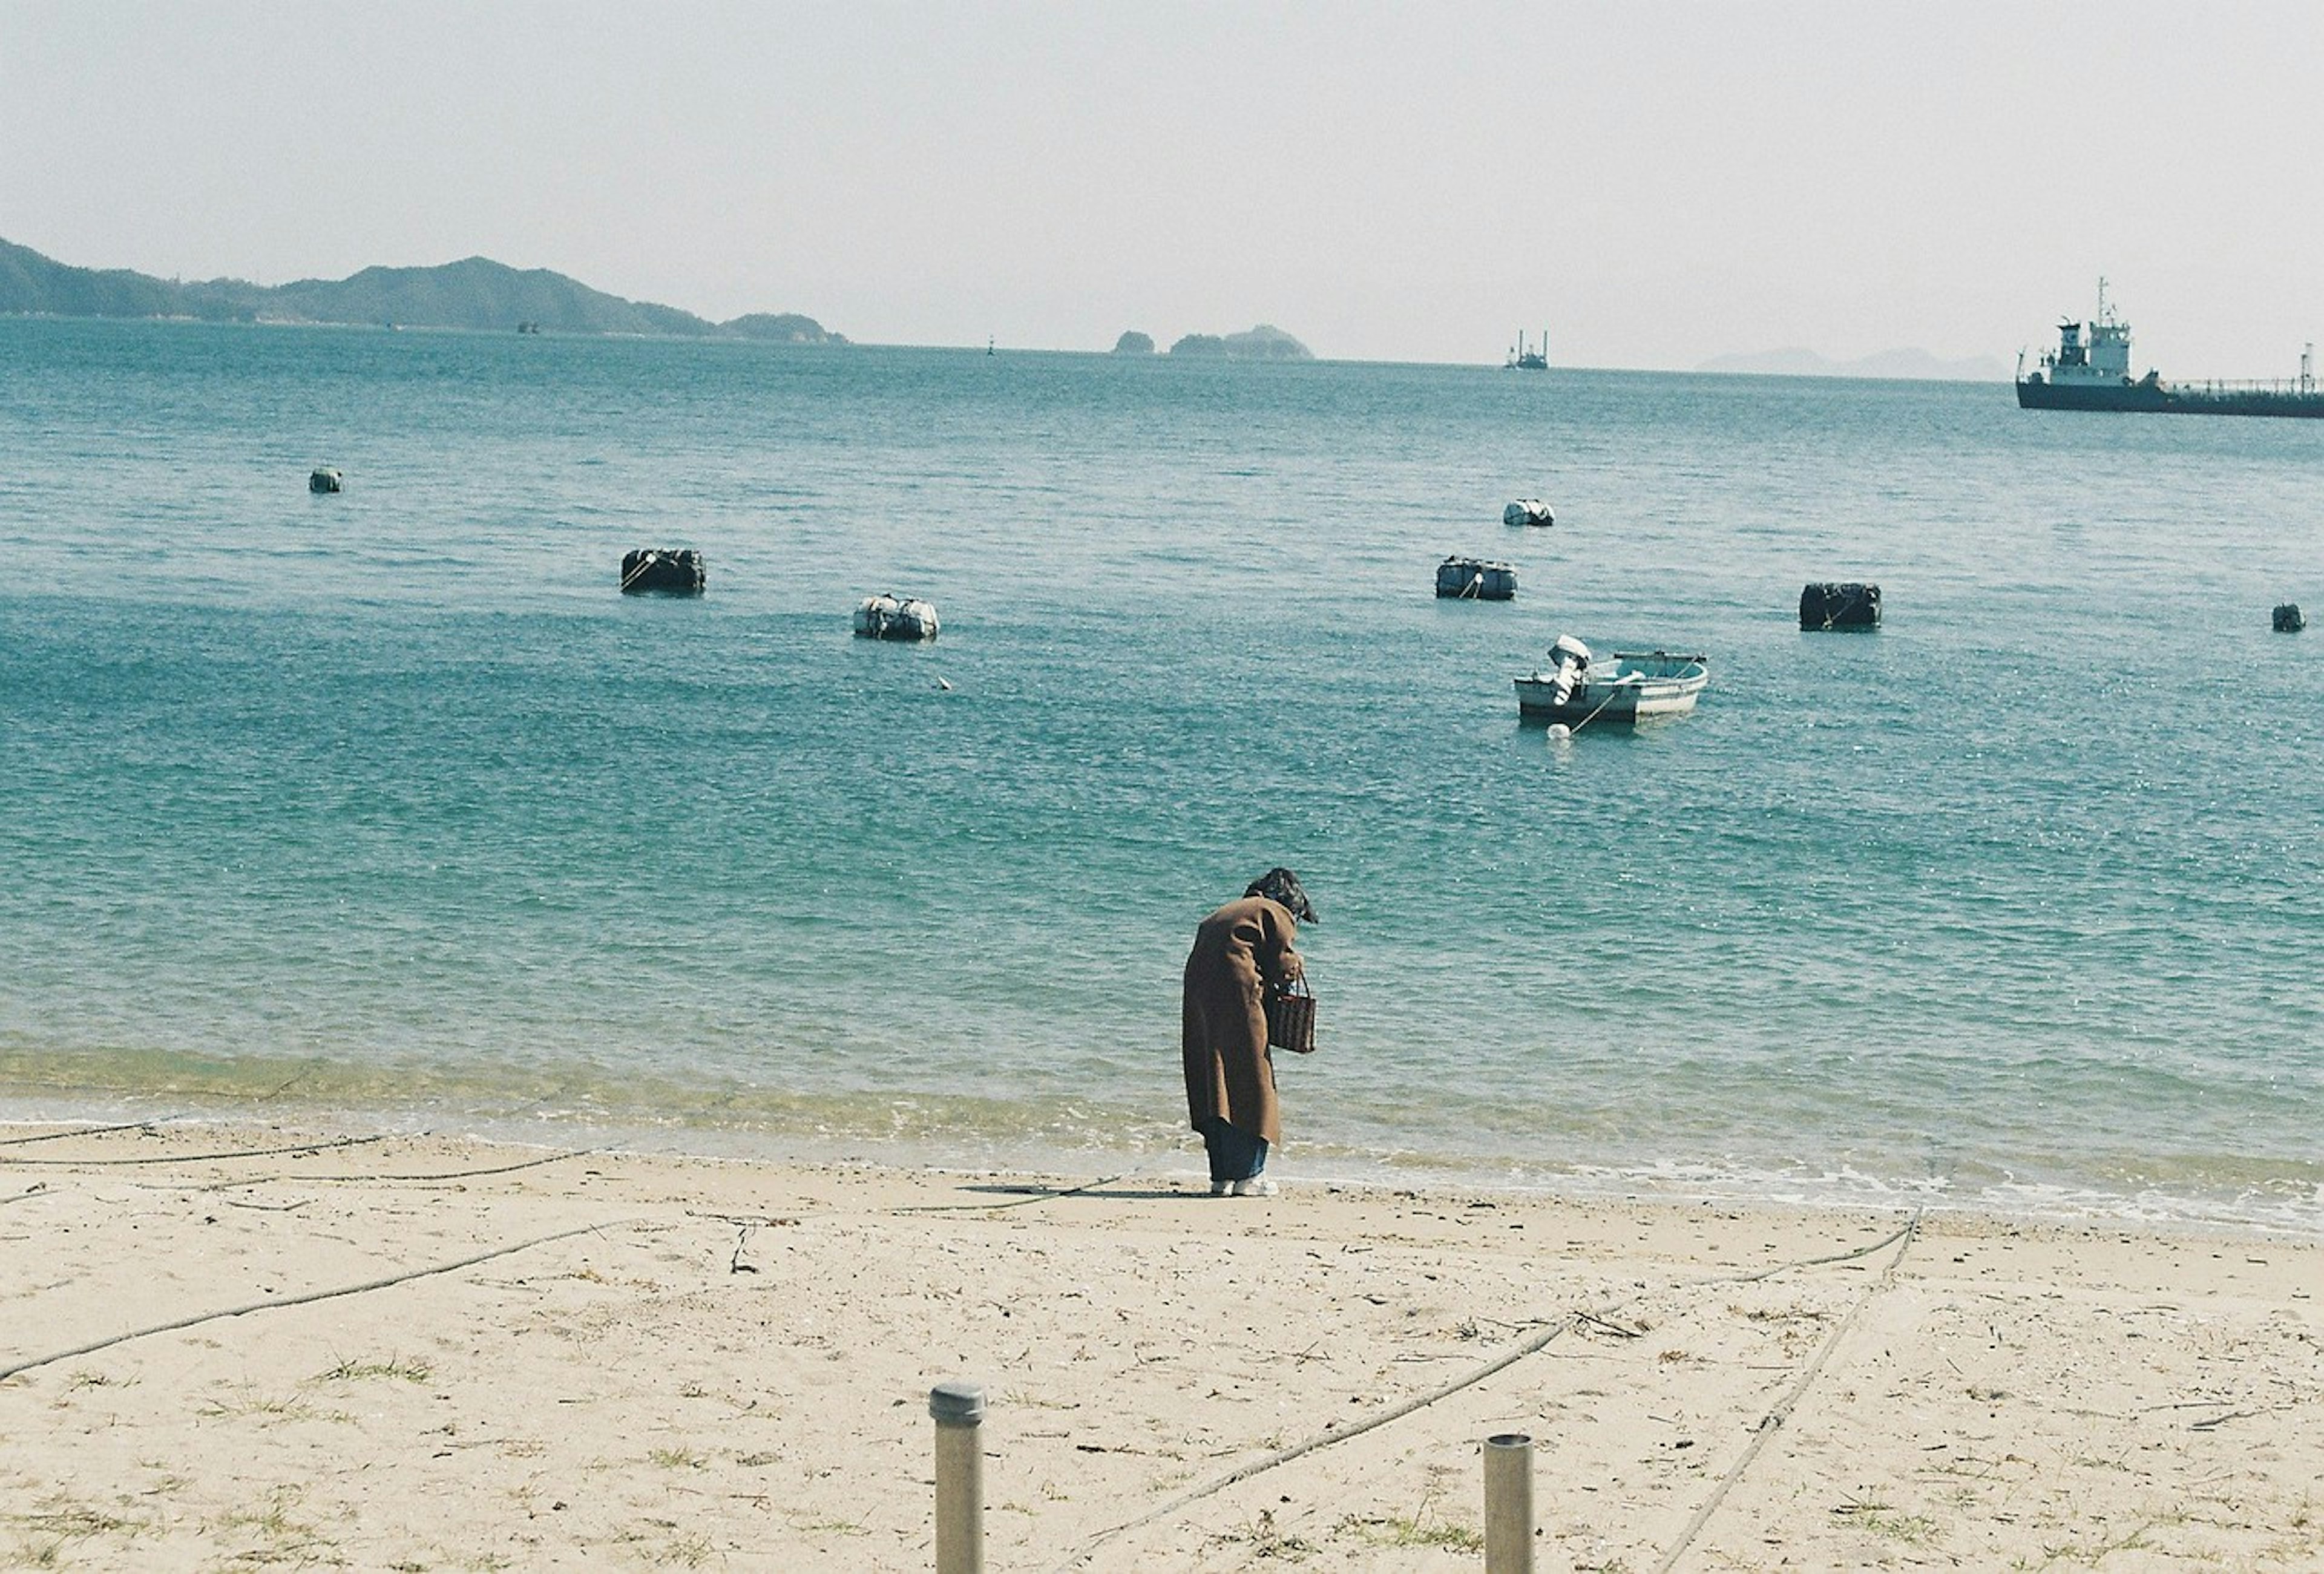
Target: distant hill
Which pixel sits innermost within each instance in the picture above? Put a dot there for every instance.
(28, 278)
(1263, 343)
(475, 293)
(1907, 364)
(1134, 343)
(787, 328)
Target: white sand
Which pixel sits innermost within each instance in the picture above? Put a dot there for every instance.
(727, 1367)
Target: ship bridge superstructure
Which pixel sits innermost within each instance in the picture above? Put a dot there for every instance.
(2092, 353)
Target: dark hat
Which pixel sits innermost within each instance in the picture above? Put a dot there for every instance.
(1280, 885)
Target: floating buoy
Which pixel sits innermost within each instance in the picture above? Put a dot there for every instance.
(323, 478)
(892, 617)
(2287, 619)
(1559, 732)
(1474, 579)
(662, 571)
(1839, 606)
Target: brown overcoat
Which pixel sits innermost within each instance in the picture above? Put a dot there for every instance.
(1238, 949)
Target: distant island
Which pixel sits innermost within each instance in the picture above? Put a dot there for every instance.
(783, 327)
(476, 293)
(1263, 343)
(1900, 363)
(1134, 343)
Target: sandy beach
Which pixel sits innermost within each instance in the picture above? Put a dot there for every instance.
(246, 1347)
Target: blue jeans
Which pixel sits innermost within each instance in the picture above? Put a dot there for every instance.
(1235, 1154)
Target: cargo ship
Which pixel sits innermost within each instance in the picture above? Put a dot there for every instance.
(2090, 370)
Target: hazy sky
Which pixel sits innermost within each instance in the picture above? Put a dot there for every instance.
(1653, 183)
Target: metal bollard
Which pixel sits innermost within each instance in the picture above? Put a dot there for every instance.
(959, 1412)
(1508, 1503)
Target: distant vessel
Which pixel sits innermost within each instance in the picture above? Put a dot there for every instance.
(2090, 370)
(1522, 359)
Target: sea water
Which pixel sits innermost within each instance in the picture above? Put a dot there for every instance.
(386, 804)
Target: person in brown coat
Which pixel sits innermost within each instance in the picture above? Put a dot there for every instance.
(1239, 951)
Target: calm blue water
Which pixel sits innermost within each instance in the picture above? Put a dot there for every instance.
(386, 803)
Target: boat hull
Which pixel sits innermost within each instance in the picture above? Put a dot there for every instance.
(2164, 398)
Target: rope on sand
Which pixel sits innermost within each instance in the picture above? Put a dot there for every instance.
(197, 1158)
(280, 1301)
(1781, 1415)
(553, 1158)
(367, 1178)
(1285, 1456)
(88, 1132)
(1907, 1232)
(1518, 1353)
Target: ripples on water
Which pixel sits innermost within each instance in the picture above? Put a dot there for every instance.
(387, 796)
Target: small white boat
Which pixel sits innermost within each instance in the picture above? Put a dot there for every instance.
(1528, 510)
(1628, 685)
(889, 617)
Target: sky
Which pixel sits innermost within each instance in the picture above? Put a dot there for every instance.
(1652, 184)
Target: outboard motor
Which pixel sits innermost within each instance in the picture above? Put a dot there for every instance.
(1573, 658)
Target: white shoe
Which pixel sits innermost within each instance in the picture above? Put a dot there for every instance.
(1257, 1186)
(1222, 1188)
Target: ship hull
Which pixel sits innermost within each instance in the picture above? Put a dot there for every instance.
(2161, 399)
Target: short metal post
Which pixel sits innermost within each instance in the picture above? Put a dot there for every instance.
(1508, 1503)
(959, 1412)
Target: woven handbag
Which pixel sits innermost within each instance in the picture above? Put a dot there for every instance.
(1291, 1017)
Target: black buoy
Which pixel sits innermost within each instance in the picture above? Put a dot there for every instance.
(662, 570)
(2288, 620)
(1474, 579)
(323, 478)
(1839, 606)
